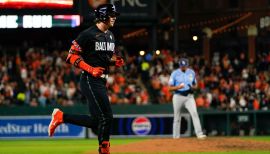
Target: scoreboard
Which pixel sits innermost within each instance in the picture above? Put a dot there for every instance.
(39, 21)
(39, 13)
(35, 4)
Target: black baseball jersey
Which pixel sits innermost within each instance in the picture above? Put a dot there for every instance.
(97, 47)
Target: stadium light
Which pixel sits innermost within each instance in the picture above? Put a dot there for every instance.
(195, 38)
(142, 53)
(158, 52)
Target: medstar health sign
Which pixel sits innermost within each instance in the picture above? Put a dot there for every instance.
(141, 126)
(35, 127)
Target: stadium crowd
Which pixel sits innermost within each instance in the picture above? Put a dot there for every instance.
(38, 77)
(225, 83)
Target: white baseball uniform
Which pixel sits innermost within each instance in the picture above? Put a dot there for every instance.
(183, 98)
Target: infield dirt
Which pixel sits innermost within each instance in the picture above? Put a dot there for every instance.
(191, 145)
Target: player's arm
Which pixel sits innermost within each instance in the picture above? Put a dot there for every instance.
(75, 59)
(117, 61)
(193, 85)
(172, 86)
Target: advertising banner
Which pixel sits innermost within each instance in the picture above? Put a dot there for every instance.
(36, 4)
(134, 8)
(127, 8)
(133, 125)
(146, 125)
(36, 127)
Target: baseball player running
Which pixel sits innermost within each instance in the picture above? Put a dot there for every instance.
(182, 81)
(93, 52)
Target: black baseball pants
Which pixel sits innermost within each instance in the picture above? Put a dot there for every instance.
(94, 89)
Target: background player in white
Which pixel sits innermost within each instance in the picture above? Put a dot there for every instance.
(182, 81)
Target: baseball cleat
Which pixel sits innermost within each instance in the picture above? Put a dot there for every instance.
(201, 137)
(104, 148)
(57, 119)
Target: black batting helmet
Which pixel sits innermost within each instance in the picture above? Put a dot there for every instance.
(103, 12)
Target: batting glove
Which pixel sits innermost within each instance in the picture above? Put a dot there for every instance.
(95, 71)
(119, 62)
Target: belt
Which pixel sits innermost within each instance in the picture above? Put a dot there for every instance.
(182, 93)
(103, 76)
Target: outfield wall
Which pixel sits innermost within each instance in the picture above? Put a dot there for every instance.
(156, 120)
(131, 125)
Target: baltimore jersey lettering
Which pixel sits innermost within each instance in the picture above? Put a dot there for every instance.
(97, 47)
(104, 46)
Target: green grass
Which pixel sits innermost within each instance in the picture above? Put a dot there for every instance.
(235, 152)
(82, 146)
(258, 138)
(54, 146)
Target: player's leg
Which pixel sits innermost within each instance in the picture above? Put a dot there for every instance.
(58, 117)
(191, 107)
(84, 120)
(177, 104)
(81, 120)
(98, 99)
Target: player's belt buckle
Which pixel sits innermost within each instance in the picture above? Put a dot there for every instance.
(104, 76)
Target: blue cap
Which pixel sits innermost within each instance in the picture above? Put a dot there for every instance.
(183, 62)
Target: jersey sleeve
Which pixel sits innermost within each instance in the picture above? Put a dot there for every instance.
(81, 41)
(113, 40)
(76, 48)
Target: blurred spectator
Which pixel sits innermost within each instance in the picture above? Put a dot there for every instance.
(38, 77)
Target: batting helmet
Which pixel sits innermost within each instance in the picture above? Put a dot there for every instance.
(183, 62)
(103, 12)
